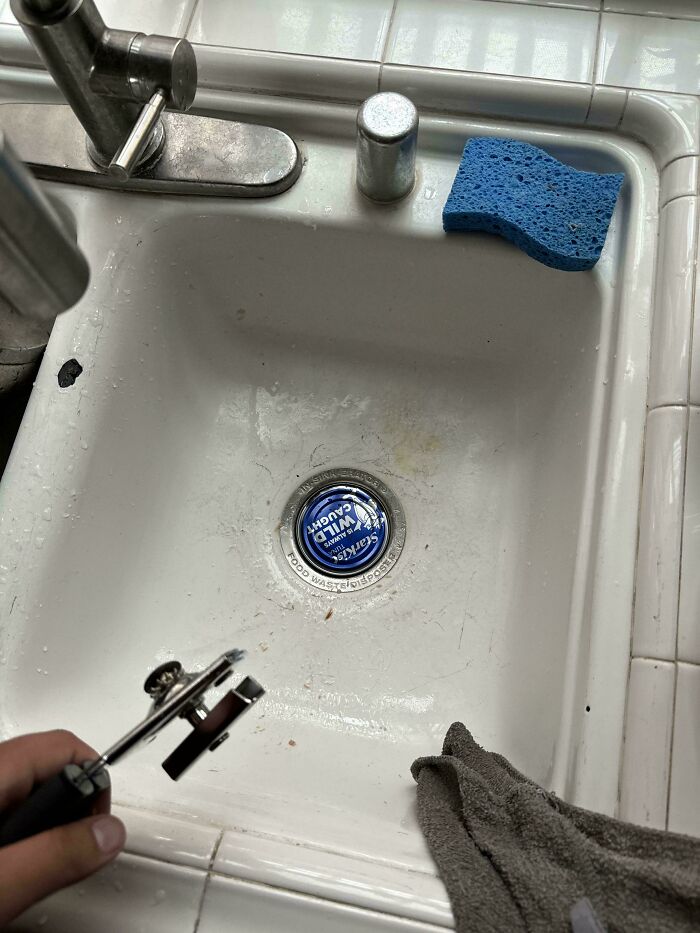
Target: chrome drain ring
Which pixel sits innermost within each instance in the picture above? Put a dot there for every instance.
(342, 530)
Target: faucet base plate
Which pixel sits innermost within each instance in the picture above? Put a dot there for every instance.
(151, 154)
(201, 155)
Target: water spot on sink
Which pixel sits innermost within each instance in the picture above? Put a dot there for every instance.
(241, 313)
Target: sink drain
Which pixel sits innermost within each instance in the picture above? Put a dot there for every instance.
(342, 530)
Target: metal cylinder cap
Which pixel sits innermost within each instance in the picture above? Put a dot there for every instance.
(343, 530)
(387, 117)
(387, 135)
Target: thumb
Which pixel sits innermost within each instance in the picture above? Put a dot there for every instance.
(35, 867)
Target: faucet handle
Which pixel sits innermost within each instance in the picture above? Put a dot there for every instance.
(158, 71)
(133, 66)
(127, 158)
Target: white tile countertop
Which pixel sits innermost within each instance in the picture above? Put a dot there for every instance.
(626, 65)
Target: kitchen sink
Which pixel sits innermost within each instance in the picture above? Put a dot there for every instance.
(231, 352)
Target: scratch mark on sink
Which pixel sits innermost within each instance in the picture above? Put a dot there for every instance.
(288, 607)
(491, 651)
(313, 454)
(14, 600)
(459, 670)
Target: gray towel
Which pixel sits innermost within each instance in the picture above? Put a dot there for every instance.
(516, 858)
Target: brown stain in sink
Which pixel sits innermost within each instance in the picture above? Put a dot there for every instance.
(413, 449)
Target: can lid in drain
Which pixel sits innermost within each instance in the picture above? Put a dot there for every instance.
(343, 529)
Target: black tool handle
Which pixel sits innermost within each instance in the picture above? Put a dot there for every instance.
(64, 798)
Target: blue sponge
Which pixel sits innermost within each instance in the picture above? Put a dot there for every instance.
(553, 212)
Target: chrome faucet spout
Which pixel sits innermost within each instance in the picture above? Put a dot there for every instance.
(108, 75)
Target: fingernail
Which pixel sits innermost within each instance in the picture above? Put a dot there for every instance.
(109, 834)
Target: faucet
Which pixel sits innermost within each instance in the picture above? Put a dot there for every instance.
(131, 93)
(117, 82)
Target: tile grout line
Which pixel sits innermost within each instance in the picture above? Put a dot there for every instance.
(594, 69)
(678, 197)
(618, 125)
(207, 878)
(664, 405)
(672, 737)
(696, 233)
(385, 46)
(647, 657)
(633, 613)
(680, 558)
(38, 68)
(586, 9)
(190, 18)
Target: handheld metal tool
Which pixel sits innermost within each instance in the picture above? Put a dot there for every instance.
(70, 795)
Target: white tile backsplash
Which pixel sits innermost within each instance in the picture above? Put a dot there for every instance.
(671, 325)
(169, 19)
(498, 38)
(334, 28)
(649, 723)
(684, 799)
(250, 908)
(684, 8)
(647, 52)
(572, 4)
(607, 107)
(656, 600)
(167, 838)
(695, 349)
(689, 611)
(166, 18)
(373, 886)
(679, 179)
(284, 74)
(668, 123)
(501, 95)
(132, 895)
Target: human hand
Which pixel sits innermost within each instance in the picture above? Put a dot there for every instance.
(37, 866)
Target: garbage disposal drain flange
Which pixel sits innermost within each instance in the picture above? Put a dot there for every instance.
(342, 530)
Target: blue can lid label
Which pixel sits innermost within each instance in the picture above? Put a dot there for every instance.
(343, 529)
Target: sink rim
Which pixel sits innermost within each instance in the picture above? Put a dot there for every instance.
(639, 164)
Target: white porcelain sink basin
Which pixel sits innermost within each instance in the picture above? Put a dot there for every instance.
(231, 350)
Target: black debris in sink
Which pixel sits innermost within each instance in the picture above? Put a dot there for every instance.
(68, 373)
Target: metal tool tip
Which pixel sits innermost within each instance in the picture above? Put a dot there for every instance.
(235, 654)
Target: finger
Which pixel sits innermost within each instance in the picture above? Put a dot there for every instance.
(35, 867)
(30, 759)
